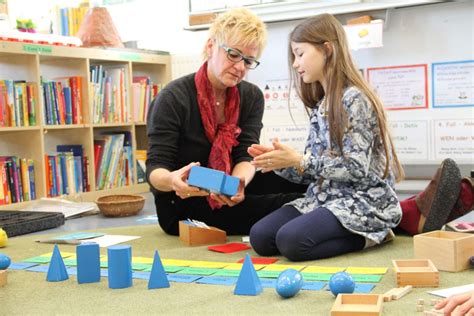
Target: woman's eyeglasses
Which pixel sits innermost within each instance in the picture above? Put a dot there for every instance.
(235, 56)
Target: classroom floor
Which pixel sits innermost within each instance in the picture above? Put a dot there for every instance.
(148, 214)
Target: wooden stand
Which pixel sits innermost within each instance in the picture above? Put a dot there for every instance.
(194, 236)
(3, 277)
(449, 251)
(416, 272)
(357, 305)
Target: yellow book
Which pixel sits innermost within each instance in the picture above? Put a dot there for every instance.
(25, 179)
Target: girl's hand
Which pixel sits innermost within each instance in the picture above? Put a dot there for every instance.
(233, 200)
(282, 156)
(257, 149)
(180, 185)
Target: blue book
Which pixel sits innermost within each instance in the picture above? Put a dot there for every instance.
(68, 101)
(62, 163)
(77, 151)
(31, 171)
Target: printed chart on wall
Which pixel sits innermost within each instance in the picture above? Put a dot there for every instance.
(430, 133)
(401, 87)
(453, 84)
(285, 116)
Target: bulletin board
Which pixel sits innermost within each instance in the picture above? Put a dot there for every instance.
(424, 74)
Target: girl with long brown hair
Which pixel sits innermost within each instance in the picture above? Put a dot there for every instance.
(349, 162)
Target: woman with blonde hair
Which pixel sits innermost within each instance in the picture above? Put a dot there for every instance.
(210, 118)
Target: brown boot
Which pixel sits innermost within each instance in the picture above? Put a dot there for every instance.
(465, 201)
(438, 199)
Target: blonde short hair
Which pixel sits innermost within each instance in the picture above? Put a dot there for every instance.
(241, 26)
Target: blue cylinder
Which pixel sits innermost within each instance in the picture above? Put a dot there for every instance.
(120, 266)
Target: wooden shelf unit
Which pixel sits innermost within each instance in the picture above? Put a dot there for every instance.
(33, 62)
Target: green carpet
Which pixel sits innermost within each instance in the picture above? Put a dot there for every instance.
(29, 293)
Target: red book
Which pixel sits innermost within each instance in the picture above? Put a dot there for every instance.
(260, 260)
(230, 247)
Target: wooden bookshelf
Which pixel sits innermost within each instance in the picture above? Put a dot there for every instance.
(33, 63)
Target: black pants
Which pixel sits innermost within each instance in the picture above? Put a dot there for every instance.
(266, 193)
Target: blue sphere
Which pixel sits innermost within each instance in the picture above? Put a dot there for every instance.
(341, 282)
(4, 261)
(289, 283)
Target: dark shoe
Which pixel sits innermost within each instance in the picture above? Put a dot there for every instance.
(437, 201)
(465, 201)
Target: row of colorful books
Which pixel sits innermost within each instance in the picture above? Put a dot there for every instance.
(109, 94)
(17, 180)
(113, 160)
(66, 171)
(69, 20)
(17, 103)
(62, 101)
(143, 92)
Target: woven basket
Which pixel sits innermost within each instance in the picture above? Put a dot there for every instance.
(120, 205)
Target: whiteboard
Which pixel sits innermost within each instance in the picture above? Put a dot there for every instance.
(423, 35)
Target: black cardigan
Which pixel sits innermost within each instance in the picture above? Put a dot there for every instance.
(176, 135)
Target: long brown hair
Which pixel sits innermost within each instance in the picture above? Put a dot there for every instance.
(340, 72)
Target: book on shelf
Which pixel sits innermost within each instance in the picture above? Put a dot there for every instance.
(17, 103)
(62, 101)
(16, 182)
(113, 160)
(143, 93)
(140, 155)
(66, 171)
(109, 94)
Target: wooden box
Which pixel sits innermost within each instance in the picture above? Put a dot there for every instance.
(449, 251)
(194, 236)
(3, 277)
(416, 272)
(357, 305)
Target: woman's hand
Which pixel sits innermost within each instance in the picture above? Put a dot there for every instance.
(181, 187)
(281, 156)
(233, 200)
(457, 305)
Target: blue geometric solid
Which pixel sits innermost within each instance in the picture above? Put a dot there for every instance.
(230, 185)
(5, 261)
(120, 266)
(248, 282)
(214, 181)
(289, 283)
(88, 263)
(56, 270)
(341, 282)
(158, 278)
(206, 178)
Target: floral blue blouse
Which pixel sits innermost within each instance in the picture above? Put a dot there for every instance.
(351, 186)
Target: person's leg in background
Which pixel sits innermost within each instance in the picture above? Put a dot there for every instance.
(447, 197)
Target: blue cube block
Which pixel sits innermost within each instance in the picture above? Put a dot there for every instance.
(230, 186)
(206, 178)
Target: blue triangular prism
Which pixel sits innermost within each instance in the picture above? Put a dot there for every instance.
(158, 278)
(56, 270)
(248, 282)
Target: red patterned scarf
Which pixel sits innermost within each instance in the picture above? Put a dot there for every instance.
(222, 136)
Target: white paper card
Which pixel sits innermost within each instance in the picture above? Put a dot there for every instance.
(453, 290)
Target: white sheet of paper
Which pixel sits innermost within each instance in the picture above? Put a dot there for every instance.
(109, 240)
(453, 290)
